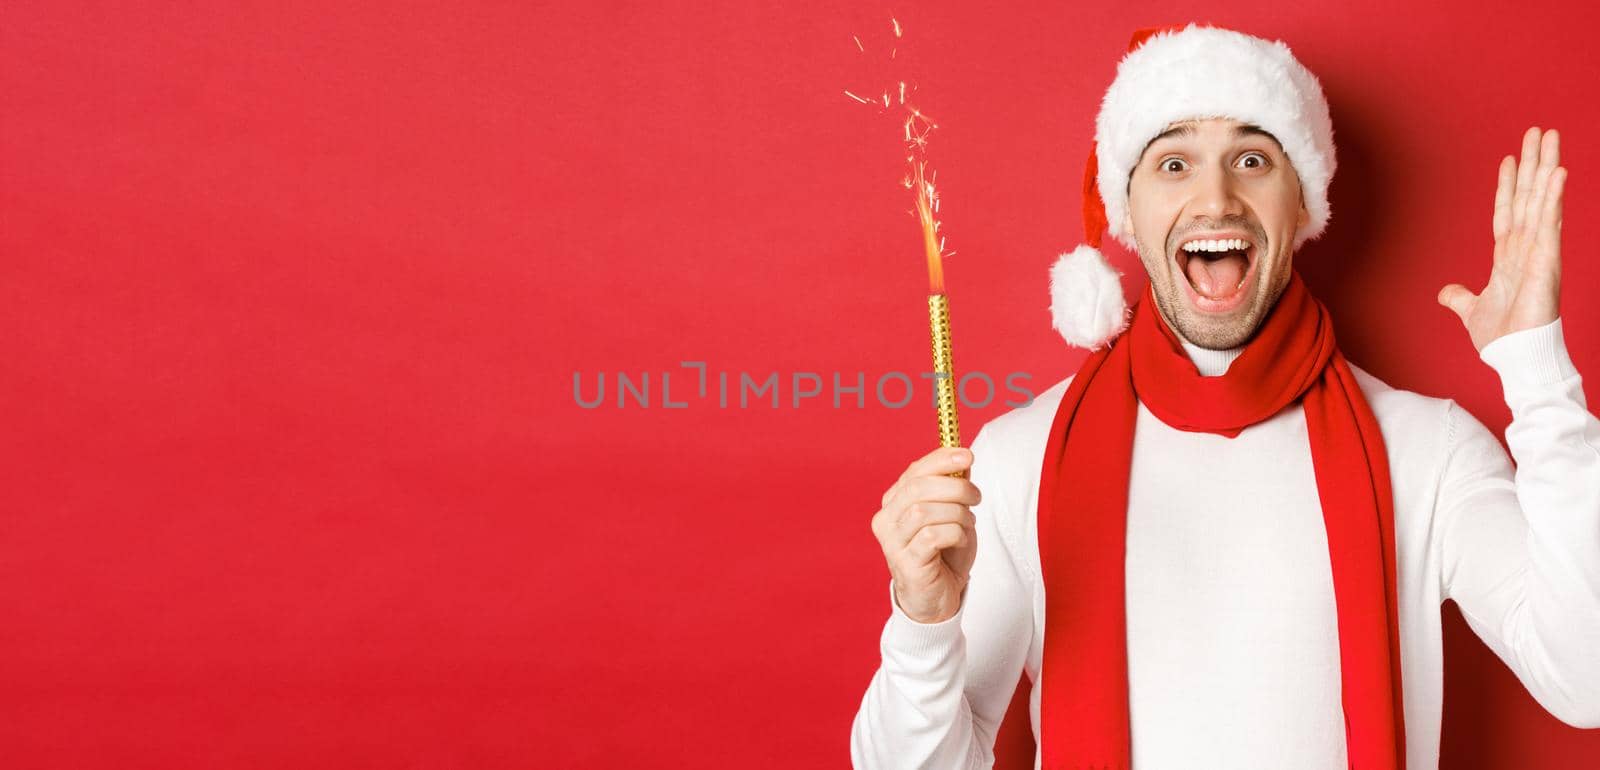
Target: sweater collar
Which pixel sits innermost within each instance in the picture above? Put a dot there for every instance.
(1210, 363)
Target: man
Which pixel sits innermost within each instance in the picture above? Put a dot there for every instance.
(1220, 544)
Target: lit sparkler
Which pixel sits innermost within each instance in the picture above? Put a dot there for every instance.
(916, 127)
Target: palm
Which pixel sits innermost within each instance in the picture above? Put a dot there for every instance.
(1525, 280)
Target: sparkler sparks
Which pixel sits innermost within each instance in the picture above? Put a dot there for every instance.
(919, 179)
(916, 127)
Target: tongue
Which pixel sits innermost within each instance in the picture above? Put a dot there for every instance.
(1217, 277)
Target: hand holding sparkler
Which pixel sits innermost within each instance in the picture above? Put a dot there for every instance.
(928, 533)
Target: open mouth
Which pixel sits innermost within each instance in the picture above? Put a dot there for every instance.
(1217, 270)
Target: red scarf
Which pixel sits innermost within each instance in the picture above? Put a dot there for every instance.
(1083, 501)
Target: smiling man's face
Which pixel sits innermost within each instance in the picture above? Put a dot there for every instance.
(1203, 189)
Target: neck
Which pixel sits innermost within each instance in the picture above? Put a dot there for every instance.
(1209, 362)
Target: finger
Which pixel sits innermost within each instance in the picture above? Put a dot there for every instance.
(911, 489)
(934, 489)
(1549, 162)
(1458, 299)
(1549, 158)
(1549, 238)
(1525, 172)
(1502, 197)
(939, 462)
(922, 515)
(929, 541)
(1530, 220)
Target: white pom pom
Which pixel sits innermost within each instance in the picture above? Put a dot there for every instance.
(1086, 302)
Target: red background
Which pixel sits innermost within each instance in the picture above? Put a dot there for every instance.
(293, 294)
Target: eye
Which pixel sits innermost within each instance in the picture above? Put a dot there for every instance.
(1261, 161)
(1171, 165)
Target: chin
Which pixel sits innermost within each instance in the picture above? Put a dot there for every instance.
(1217, 337)
(1196, 322)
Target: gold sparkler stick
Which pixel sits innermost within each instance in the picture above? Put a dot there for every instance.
(944, 374)
(938, 314)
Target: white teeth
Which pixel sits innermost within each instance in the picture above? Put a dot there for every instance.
(1227, 244)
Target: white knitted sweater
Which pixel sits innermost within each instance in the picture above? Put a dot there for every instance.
(1232, 640)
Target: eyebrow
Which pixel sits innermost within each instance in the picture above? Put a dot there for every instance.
(1186, 130)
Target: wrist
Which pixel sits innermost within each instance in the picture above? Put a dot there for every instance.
(942, 613)
(1530, 357)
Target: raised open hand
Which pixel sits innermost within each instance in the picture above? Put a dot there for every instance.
(1525, 281)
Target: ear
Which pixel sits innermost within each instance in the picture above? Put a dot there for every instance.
(1305, 215)
(1127, 222)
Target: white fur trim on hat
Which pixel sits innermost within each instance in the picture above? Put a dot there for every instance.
(1086, 302)
(1208, 72)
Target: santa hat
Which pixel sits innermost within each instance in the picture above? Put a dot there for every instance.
(1172, 74)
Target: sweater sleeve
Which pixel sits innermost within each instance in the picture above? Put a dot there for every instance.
(941, 689)
(1520, 550)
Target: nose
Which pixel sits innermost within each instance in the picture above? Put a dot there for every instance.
(1215, 195)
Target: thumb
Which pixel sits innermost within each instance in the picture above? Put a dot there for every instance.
(1458, 299)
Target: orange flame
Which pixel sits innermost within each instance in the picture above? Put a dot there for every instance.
(932, 246)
